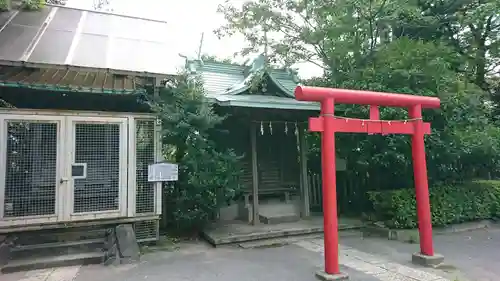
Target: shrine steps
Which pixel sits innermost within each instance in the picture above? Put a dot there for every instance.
(54, 248)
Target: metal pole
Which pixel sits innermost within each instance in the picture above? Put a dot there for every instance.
(304, 181)
(329, 188)
(255, 174)
(421, 183)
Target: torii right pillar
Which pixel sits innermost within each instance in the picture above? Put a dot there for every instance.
(426, 256)
(328, 125)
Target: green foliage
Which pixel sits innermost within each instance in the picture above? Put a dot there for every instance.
(208, 174)
(449, 204)
(448, 49)
(211, 58)
(5, 5)
(341, 36)
(59, 2)
(464, 143)
(33, 5)
(5, 104)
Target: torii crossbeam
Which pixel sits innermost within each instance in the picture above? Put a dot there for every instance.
(328, 124)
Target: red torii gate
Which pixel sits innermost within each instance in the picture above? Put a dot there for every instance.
(328, 124)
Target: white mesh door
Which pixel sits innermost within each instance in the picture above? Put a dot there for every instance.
(145, 156)
(97, 168)
(29, 168)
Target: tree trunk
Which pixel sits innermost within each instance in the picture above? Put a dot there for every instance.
(480, 61)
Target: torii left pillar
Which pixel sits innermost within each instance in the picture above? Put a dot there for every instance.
(329, 125)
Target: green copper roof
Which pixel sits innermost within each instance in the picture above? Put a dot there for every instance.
(69, 80)
(230, 85)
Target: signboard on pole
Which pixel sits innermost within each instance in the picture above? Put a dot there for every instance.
(161, 172)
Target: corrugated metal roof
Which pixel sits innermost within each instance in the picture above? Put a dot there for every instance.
(219, 77)
(60, 36)
(285, 80)
(223, 78)
(69, 80)
(227, 85)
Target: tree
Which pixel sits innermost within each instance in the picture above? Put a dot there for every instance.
(98, 5)
(330, 34)
(211, 58)
(471, 27)
(57, 2)
(33, 5)
(393, 46)
(338, 35)
(480, 23)
(208, 173)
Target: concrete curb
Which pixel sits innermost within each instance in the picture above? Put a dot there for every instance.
(412, 235)
(235, 238)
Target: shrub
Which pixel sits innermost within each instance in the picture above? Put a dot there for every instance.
(208, 173)
(5, 5)
(33, 5)
(208, 179)
(449, 204)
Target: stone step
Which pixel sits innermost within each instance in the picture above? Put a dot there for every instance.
(237, 233)
(54, 248)
(32, 263)
(277, 242)
(60, 235)
(27, 250)
(279, 213)
(279, 218)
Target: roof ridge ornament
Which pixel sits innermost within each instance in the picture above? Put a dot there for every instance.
(294, 74)
(255, 65)
(259, 63)
(192, 64)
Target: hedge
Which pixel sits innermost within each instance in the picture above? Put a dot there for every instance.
(470, 201)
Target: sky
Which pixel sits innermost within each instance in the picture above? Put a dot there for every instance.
(190, 18)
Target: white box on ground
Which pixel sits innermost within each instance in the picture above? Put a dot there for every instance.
(160, 172)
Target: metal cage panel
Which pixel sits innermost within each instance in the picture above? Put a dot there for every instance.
(145, 155)
(30, 168)
(58, 167)
(97, 182)
(147, 231)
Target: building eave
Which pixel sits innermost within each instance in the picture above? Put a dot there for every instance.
(259, 101)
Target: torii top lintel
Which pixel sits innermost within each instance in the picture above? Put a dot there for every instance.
(305, 93)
